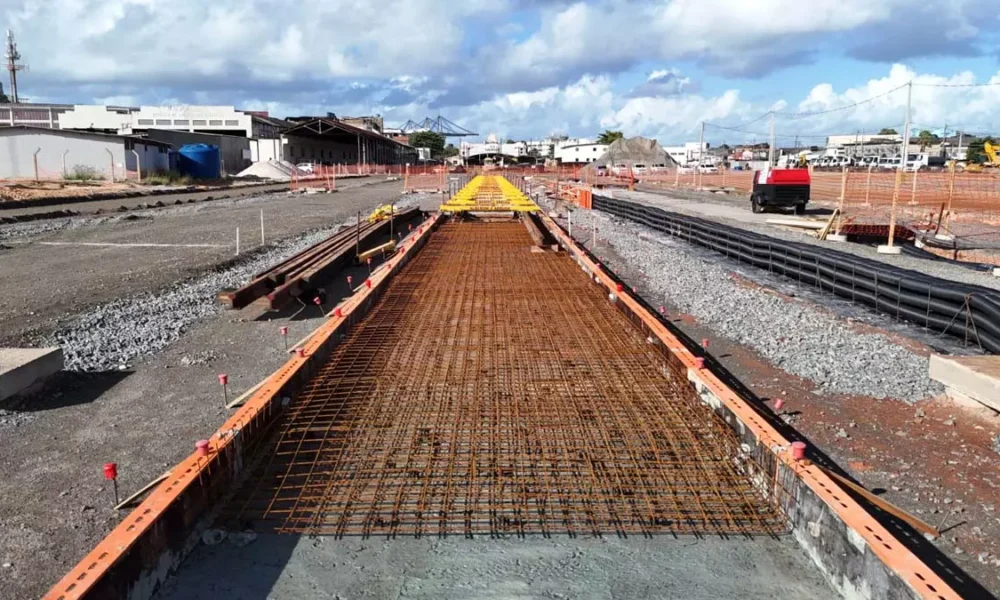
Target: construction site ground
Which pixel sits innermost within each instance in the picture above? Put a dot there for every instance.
(108, 197)
(933, 458)
(53, 269)
(553, 378)
(54, 502)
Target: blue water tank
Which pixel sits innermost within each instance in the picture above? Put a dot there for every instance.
(200, 161)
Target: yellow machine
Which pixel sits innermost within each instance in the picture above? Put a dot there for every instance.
(381, 213)
(489, 193)
(992, 159)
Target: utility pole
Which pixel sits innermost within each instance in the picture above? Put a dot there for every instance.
(889, 248)
(13, 66)
(770, 144)
(701, 151)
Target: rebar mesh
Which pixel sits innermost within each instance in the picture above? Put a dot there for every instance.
(496, 390)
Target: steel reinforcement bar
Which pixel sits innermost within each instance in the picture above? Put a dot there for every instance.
(495, 390)
(858, 555)
(147, 545)
(969, 313)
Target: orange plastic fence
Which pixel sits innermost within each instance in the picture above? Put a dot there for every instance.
(964, 204)
(425, 178)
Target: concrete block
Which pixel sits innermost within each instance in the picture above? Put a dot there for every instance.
(21, 368)
(975, 377)
(887, 249)
(836, 237)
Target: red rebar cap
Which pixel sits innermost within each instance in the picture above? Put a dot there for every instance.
(110, 471)
(301, 352)
(619, 288)
(223, 378)
(338, 312)
(201, 447)
(284, 331)
(700, 362)
(798, 450)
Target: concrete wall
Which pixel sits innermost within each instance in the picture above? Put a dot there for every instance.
(263, 149)
(152, 158)
(232, 149)
(18, 146)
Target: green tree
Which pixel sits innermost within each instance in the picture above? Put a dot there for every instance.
(449, 151)
(887, 131)
(926, 138)
(428, 139)
(976, 153)
(609, 137)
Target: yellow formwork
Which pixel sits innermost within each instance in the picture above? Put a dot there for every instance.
(489, 193)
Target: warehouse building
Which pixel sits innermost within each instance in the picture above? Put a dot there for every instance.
(42, 153)
(331, 141)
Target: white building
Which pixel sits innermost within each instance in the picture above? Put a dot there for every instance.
(492, 148)
(687, 154)
(43, 153)
(579, 151)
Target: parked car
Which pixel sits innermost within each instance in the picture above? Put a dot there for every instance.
(658, 168)
(638, 169)
(305, 167)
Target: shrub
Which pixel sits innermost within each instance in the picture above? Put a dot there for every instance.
(84, 173)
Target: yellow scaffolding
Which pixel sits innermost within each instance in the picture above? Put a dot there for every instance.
(489, 193)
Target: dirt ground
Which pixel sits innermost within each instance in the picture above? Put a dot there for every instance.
(70, 273)
(933, 459)
(54, 502)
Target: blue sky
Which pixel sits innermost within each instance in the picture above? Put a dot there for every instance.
(528, 68)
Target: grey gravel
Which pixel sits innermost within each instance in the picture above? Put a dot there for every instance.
(996, 443)
(112, 336)
(803, 339)
(935, 268)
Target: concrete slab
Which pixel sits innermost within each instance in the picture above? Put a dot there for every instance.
(21, 368)
(974, 377)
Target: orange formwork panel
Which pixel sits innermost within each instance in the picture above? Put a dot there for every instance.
(139, 553)
(792, 477)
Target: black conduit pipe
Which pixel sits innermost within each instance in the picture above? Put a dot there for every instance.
(969, 313)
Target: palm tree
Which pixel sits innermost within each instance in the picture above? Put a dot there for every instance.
(608, 137)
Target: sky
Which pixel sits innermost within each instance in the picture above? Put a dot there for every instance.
(526, 69)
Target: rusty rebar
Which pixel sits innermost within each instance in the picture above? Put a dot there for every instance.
(496, 390)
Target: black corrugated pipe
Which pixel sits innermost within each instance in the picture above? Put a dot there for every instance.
(968, 312)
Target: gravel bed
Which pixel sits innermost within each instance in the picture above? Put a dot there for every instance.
(936, 268)
(113, 335)
(804, 340)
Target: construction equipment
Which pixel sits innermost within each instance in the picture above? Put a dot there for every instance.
(489, 193)
(780, 188)
(382, 213)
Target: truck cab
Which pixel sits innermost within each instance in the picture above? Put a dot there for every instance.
(780, 188)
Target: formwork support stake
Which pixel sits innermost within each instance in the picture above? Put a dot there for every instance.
(262, 227)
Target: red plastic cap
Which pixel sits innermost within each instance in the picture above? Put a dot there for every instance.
(201, 447)
(368, 283)
(349, 280)
(111, 471)
(798, 450)
(223, 379)
(700, 362)
(663, 310)
(779, 404)
(301, 352)
(317, 301)
(704, 342)
(369, 260)
(284, 331)
(619, 288)
(338, 312)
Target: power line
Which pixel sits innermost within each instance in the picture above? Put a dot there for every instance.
(958, 85)
(846, 107)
